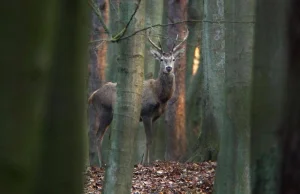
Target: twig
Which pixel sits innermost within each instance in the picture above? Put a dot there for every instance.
(119, 36)
(175, 23)
(94, 6)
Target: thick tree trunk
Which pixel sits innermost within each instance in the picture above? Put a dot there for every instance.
(43, 97)
(291, 124)
(97, 54)
(233, 171)
(118, 174)
(175, 114)
(212, 104)
(269, 74)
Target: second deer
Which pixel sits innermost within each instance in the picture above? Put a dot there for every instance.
(156, 94)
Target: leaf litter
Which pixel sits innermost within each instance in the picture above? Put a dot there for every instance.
(161, 178)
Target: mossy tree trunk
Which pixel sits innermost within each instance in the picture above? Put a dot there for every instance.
(118, 174)
(269, 78)
(43, 98)
(233, 171)
(213, 66)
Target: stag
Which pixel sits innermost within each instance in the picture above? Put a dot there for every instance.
(155, 96)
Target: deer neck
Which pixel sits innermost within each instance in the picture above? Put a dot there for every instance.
(165, 85)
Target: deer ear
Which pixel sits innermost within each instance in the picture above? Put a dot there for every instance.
(156, 54)
(178, 53)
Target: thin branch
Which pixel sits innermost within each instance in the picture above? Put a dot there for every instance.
(119, 36)
(175, 23)
(94, 6)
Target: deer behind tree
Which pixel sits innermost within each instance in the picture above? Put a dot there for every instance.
(155, 96)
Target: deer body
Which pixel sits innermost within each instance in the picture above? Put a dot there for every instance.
(155, 96)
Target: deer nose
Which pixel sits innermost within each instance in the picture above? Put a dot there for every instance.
(169, 68)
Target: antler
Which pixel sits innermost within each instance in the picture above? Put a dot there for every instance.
(175, 47)
(153, 44)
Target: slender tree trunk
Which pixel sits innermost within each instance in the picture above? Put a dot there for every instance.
(195, 12)
(175, 114)
(233, 171)
(269, 74)
(113, 48)
(112, 55)
(154, 15)
(291, 125)
(159, 127)
(118, 174)
(97, 54)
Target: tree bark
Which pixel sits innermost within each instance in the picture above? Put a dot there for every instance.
(154, 15)
(269, 74)
(97, 54)
(233, 171)
(113, 48)
(118, 175)
(43, 98)
(193, 92)
(212, 104)
(291, 126)
(175, 114)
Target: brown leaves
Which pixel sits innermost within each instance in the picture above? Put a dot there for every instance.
(162, 178)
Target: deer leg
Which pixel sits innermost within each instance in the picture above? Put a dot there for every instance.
(105, 120)
(147, 121)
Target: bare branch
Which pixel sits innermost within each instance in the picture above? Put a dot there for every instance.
(119, 36)
(164, 25)
(94, 6)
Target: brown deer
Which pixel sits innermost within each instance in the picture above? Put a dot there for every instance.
(156, 94)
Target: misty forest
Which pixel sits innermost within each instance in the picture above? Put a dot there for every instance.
(150, 96)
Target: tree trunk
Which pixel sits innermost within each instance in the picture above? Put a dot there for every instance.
(193, 93)
(159, 127)
(291, 126)
(195, 12)
(111, 69)
(43, 97)
(269, 73)
(154, 15)
(118, 175)
(212, 104)
(97, 54)
(175, 114)
(233, 174)
(113, 48)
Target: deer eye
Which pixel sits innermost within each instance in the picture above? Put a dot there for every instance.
(161, 59)
(173, 59)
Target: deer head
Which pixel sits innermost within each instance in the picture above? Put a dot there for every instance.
(167, 59)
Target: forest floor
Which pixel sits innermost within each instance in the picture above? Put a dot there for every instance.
(161, 178)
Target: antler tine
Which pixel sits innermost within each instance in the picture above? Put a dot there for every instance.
(162, 50)
(153, 44)
(174, 43)
(187, 34)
